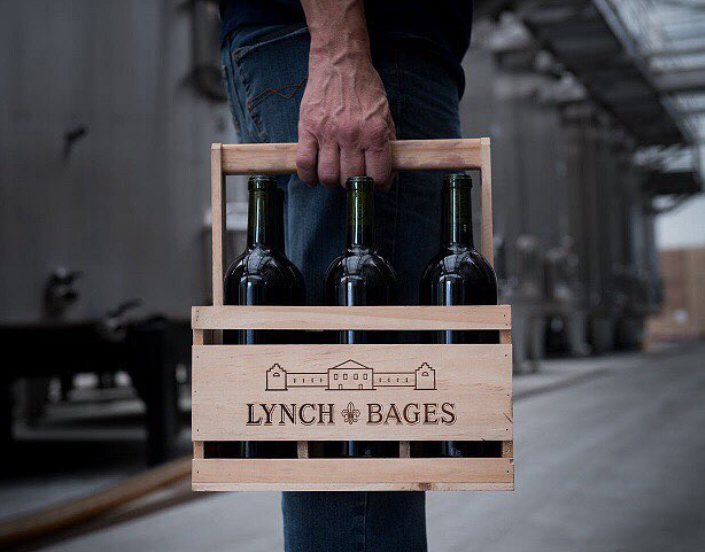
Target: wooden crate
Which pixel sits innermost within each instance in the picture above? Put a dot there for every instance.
(311, 393)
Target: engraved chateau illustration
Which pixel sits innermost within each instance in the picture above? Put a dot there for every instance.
(350, 376)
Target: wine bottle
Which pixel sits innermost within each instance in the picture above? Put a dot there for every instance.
(458, 275)
(360, 277)
(263, 275)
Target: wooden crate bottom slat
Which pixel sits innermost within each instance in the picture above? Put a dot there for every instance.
(313, 487)
(354, 474)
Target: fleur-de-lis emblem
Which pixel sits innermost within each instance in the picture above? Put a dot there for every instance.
(351, 414)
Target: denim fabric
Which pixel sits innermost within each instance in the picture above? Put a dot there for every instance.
(265, 85)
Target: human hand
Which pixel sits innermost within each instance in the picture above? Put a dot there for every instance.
(344, 123)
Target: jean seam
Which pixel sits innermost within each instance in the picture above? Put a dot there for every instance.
(259, 135)
(236, 99)
(265, 94)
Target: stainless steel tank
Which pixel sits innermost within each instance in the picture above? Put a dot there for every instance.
(105, 136)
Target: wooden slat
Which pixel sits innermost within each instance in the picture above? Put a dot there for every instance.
(486, 204)
(198, 449)
(218, 221)
(475, 379)
(302, 449)
(508, 449)
(404, 449)
(332, 487)
(355, 471)
(408, 155)
(218, 229)
(353, 318)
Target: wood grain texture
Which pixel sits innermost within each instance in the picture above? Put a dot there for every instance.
(198, 450)
(284, 487)
(508, 449)
(404, 449)
(302, 449)
(350, 471)
(486, 203)
(407, 155)
(476, 379)
(353, 318)
(218, 221)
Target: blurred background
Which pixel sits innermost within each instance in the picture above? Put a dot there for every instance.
(596, 111)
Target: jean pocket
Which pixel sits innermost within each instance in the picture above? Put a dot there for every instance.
(282, 34)
(269, 81)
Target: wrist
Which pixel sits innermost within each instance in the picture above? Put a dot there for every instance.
(340, 44)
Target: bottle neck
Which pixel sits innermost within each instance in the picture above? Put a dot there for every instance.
(280, 242)
(457, 217)
(261, 219)
(360, 218)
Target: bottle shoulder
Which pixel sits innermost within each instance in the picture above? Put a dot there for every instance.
(466, 263)
(362, 263)
(260, 261)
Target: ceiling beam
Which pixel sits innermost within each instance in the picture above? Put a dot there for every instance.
(674, 52)
(692, 80)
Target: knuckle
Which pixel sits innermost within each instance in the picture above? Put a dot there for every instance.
(348, 132)
(377, 132)
(305, 163)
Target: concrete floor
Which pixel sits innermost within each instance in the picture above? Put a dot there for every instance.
(608, 457)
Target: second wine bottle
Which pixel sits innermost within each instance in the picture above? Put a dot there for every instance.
(360, 277)
(459, 275)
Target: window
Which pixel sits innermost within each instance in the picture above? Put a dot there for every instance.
(276, 374)
(345, 376)
(364, 376)
(335, 376)
(356, 376)
(424, 373)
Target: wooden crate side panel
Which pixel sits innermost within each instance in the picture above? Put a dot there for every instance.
(496, 317)
(461, 392)
(355, 471)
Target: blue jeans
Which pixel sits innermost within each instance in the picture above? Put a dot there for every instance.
(265, 85)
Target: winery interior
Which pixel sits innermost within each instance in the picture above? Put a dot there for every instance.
(596, 114)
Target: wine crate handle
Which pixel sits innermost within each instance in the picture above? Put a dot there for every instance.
(407, 155)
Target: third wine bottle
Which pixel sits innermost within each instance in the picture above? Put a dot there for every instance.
(458, 275)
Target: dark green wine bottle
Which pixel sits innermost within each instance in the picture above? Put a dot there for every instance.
(263, 275)
(458, 275)
(360, 277)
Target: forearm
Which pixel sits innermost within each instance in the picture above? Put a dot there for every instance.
(337, 28)
(344, 123)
